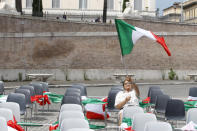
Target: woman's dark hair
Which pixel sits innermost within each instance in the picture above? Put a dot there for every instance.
(134, 85)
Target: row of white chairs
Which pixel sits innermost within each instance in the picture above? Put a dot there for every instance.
(71, 118)
(144, 121)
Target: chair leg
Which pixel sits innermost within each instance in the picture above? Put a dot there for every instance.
(105, 117)
(31, 108)
(36, 109)
(48, 107)
(176, 123)
(26, 115)
(43, 106)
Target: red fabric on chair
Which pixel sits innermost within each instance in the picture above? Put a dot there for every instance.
(147, 100)
(41, 99)
(51, 128)
(14, 125)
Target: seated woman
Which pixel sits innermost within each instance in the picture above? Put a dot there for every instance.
(130, 96)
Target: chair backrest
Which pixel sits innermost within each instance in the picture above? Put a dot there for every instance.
(38, 88)
(14, 107)
(161, 103)
(30, 88)
(71, 100)
(72, 90)
(1, 88)
(129, 111)
(27, 94)
(45, 85)
(71, 93)
(20, 99)
(157, 126)
(193, 91)
(140, 119)
(80, 129)
(82, 89)
(70, 114)
(192, 115)
(111, 98)
(154, 94)
(175, 110)
(6, 113)
(73, 123)
(117, 88)
(152, 88)
(3, 124)
(73, 107)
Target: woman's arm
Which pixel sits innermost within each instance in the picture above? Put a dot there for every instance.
(137, 90)
(121, 104)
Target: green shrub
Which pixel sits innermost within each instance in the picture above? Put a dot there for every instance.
(20, 76)
(2, 78)
(171, 74)
(86, 77)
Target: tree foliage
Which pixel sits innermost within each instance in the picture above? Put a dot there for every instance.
(18, 6)
(37, 8)
(105, 11)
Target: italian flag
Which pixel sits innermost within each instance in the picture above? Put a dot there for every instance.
(96, 111)
(128, 36)
(192, 98)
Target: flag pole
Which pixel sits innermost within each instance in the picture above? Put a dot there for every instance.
(123, 62)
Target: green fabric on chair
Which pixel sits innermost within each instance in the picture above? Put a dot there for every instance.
(54, 98)
(128, 121)
(96, 126)
(144, 105)
(92, 101)
(190, 104)
(2, 96)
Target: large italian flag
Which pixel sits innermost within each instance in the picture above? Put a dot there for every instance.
(128, 36)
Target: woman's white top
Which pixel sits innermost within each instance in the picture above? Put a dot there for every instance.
(121, 96)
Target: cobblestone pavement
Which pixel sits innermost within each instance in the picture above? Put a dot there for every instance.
(179, 91)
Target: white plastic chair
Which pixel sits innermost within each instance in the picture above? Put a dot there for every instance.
(14, 107)
(73, 123)
(157, 126)
(3, 124)
(71, 107)
(129, 111)
(192, 115)
(70, 114)
(80, 129)
(6, 113)
(140, 119)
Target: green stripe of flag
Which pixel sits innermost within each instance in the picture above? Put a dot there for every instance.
(125, 36)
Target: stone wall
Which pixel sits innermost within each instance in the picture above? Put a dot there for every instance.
(42, 44)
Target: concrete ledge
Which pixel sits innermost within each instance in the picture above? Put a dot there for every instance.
(92, 74)
(84, 34)
(97, 84)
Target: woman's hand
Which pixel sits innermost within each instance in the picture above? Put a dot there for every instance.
(121, 104)
(127, 98)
